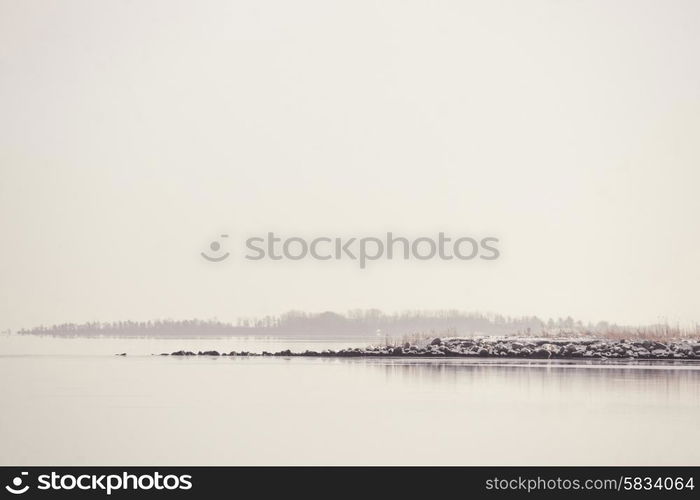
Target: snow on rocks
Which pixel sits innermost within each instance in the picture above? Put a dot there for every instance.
(504, 347)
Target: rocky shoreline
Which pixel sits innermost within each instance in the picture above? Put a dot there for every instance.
(501, 348)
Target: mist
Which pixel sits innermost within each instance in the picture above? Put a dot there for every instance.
(134, 134)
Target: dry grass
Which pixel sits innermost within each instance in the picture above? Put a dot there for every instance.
(660, 332)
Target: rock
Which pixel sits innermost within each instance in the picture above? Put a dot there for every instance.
(552, 348)
(684, 348)
(499, 347)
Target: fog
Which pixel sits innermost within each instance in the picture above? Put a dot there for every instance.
(133, 134)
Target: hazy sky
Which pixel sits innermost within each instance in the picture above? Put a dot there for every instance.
(132, 133)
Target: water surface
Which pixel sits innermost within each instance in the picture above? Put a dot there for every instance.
(74, 402)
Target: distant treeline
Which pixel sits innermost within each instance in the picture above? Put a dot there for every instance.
(362, 323)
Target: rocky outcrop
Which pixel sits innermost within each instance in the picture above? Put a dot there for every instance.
(490, 347)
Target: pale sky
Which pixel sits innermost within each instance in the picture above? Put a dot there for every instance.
(132, 133)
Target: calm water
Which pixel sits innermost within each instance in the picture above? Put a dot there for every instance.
(73, 402)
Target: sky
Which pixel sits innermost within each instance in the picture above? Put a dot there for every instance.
(132, 134)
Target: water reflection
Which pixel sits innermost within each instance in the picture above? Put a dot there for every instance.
(670, 380)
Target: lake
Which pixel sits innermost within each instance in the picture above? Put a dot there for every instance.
(72, 402)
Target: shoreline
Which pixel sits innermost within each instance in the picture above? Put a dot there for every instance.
(503, 348)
